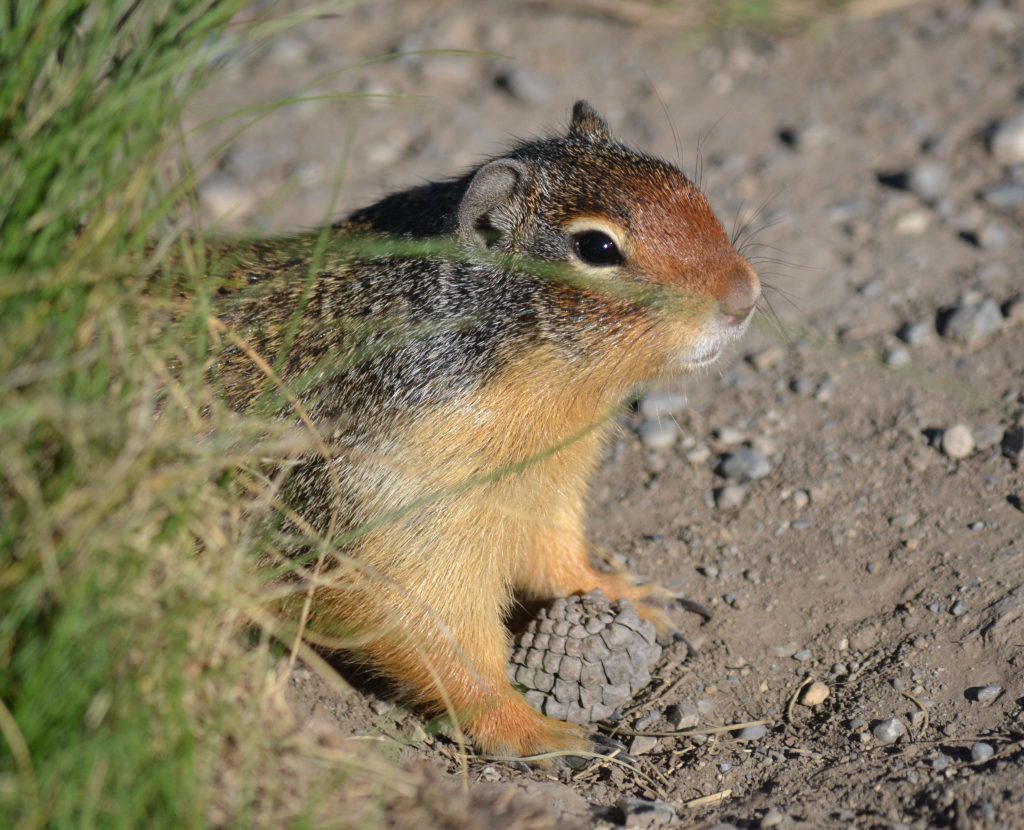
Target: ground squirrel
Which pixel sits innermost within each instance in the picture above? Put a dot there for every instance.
(463, 394)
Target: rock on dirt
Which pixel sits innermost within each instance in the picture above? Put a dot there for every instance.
(958, 441)
(1008, 140)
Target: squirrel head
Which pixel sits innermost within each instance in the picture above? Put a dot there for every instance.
(612, 214)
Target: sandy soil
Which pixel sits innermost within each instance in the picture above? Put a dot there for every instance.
(867, 558)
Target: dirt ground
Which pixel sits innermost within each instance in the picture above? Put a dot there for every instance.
(870, 153)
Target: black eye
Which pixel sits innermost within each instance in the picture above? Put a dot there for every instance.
(596, 248)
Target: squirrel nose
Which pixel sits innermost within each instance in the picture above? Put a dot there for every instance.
(740, 296)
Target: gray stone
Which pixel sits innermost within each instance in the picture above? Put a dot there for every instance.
(744, 464)
(682, 715)
(971, 323)
(662, 404)
(641, 814)
(993, 236)
(730, 496)
(981, 751)
(929, 181)
(803, 386)
(660, 434)
(916, 334)
(525, 85)
(897, 357)
(987, 694)
(1008, 197)
(905, 520)
(846, 210)
(1008, 140)
(987, 437)
(642, 744)
(889, 731)
(752, 733)
(958, 441)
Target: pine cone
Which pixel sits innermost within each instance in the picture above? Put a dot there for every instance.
(583, 656)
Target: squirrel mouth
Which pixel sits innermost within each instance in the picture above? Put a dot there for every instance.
(704, 355)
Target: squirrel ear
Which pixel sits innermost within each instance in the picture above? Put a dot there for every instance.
(493, 186)
(588, 123)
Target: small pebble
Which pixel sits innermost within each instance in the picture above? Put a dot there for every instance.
(801, 499)
(958, 609)
(981, 751)
(958, 441)
(940, 762)
(490, 774)
(682, 715)
(846, 210)
(642, 744)
(659, 434)
(752, 733)
(972, 323)
(1008, 140)
(993, 236)
(638, 813)
(1007, 197)
(525, 85)
(730, 436)
(904, 521)
(661, 403)
(986, 694)
(724, 767)
(700, 454)
(801, 524)
(730, 496)
(914, 223)
(889, 731)
(929, 181)
(825, 391)
(744, 464)
(815, 694)
(773, 818)
(916, 334)
(802, 656)
(803, 386)
(986, 437)
(767, 358)
(897, 357)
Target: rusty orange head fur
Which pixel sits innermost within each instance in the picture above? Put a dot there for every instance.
(622, 217)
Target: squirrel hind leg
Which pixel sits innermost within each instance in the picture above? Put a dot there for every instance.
(460, 670)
